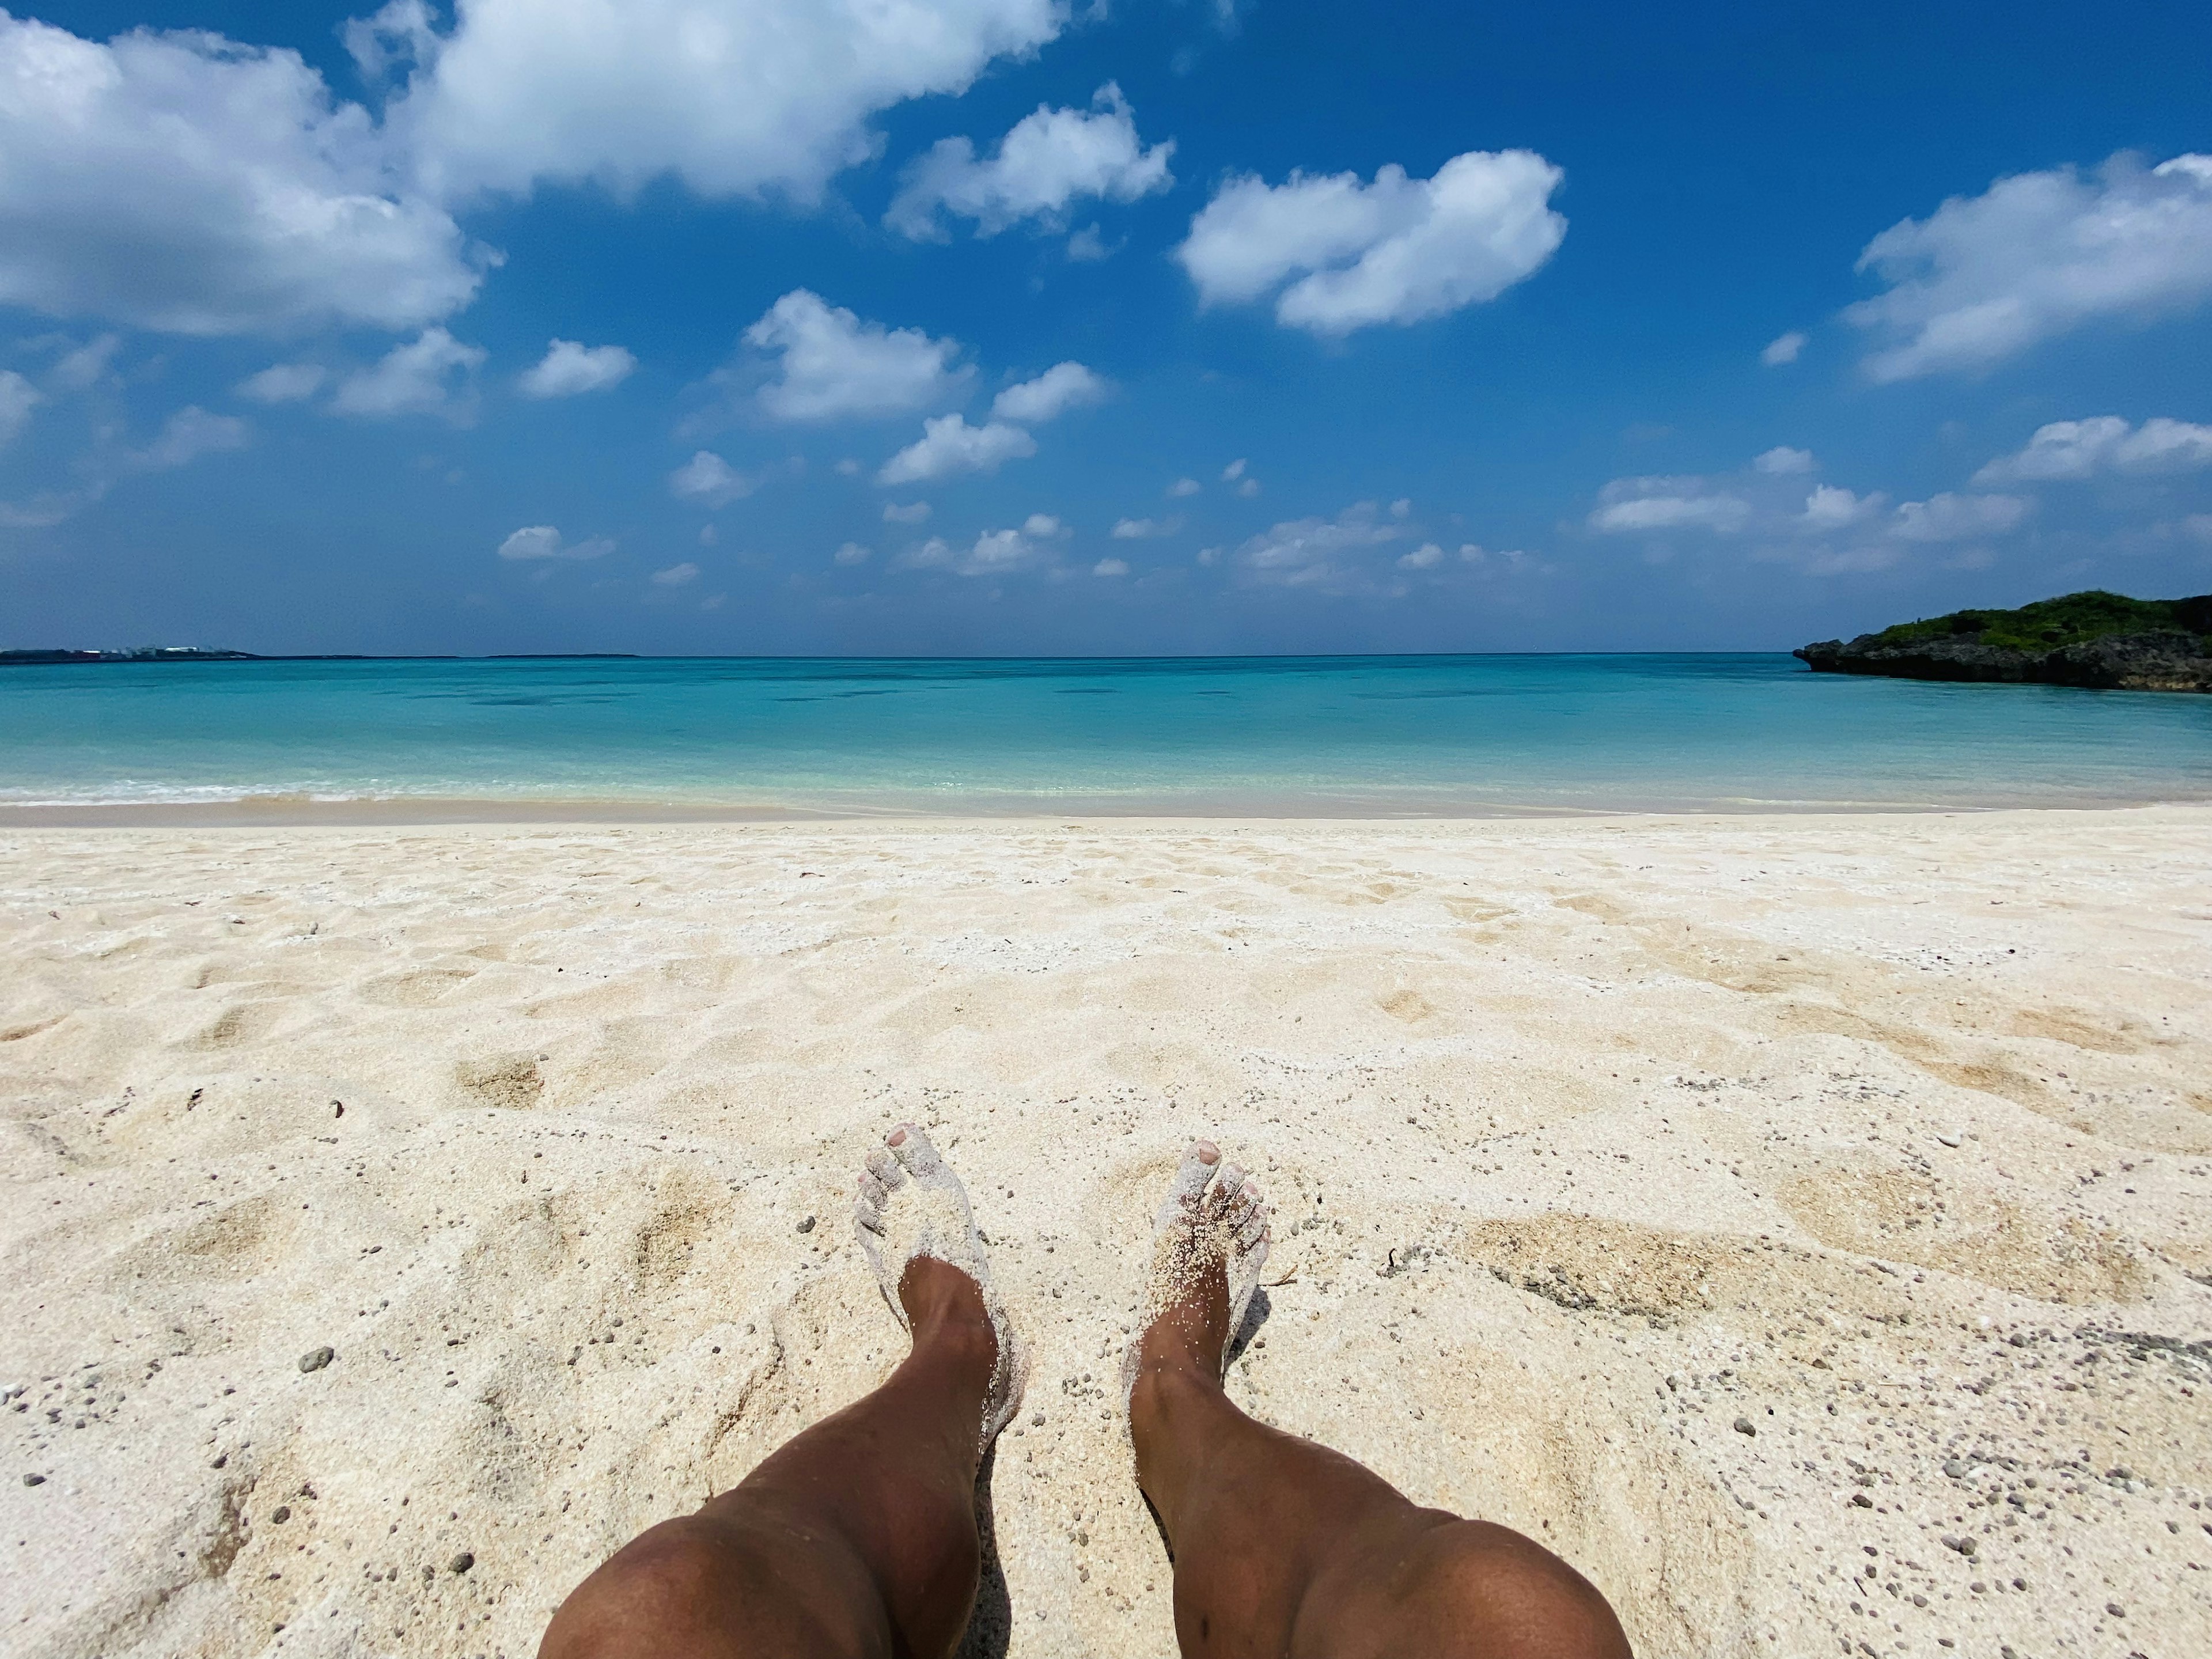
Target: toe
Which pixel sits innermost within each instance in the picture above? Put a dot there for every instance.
(1253, 1233)
(872, 1190)
(1190, 1180)
(912, 1149)
(885, 1168)
(866, 1214)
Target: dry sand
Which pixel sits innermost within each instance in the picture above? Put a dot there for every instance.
(1753, 1210)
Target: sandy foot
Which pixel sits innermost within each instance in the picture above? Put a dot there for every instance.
(910, 1205)
(1209, 1237)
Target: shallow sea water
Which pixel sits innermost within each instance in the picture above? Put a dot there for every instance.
(1308, 736)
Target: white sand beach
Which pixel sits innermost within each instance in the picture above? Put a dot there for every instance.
(1803, 1224)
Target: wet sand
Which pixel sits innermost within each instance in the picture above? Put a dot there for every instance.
(1799, 1223)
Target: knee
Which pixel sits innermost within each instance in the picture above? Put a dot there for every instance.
(1487, 1590)
(665, 1585)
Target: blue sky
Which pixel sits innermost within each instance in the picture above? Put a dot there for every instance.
(1010, 325)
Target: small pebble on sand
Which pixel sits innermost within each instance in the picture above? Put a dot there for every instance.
(315, 1358)
(462, 1562)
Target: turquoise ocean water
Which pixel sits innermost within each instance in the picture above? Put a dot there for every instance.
(1321, 736)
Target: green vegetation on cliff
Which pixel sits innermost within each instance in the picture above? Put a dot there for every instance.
(2053, 624)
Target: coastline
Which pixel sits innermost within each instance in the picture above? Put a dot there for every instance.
(1887, 1135)
(248, 810)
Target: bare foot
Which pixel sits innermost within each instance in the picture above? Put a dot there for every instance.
(911, 1207)
(1209, 1241)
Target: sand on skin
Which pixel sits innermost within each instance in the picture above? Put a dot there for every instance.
(1888, 1138)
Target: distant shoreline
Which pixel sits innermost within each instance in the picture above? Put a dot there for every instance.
(428, 813)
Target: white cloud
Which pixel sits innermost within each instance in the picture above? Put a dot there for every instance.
(1830, 507)
(853, 553)
(86, 367)
(1233, 471)
(913, 512)
(2073, 450)
(1043, 526)
(1427, 556)
(543, 541)
(183, 183)
(1110, 568)
(1782, 460)
(1137, 530)
(570, 369)
(1640, 506)
(1088, 246)
(1949, 518)
(832, 364)
(430, 375)
(283, 383)
(2037, 255)
(1182, 487)
(18, 398)
(1397, 251)
(1783, 348)
(1051, 158)
(190, 433)
(734, 97)
(995, 552)
(950, 445)
(709, 480)
(1052, 394)
(677, 575)
(1827, 530)
(1248, 488)
(1318, 552)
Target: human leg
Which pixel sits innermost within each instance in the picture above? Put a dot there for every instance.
(1285, 1547)
(857, 1539)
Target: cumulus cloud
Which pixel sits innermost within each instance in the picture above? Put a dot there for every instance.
(18, 398)
(1398, 250)
(1110, 568)
(569, 369)
(912, 512)
(948, 446)
(1949, 518)
(2074, 450)
(1832, 508)
(183, 183)
(832, 364)
(1825, 529)
(2034, 255)
(86, 367)
(994, 553)
(1323, 553)
(1427, 556)
(1052, 394)
(1051, 158)
(853, 553)
(1629, 506)
(283, 383)
(433, 374)
(709, 480)
(1137, 530)
(543, 541)
(677, 575)
(734, 97)
(1782, 460)
(1183, 487)
(190, 433)
(1783, 348)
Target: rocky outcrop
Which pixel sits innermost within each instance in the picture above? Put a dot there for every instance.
(2158, 661)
